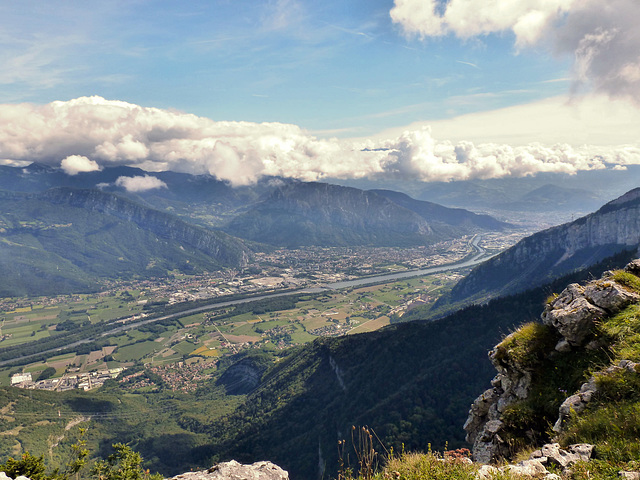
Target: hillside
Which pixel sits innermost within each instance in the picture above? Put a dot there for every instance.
(412, 383)
(66, 240)
(453, 217)
(556, 251)
(322, 214)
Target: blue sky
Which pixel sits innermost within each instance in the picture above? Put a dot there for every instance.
(367, 71)
(340, 66)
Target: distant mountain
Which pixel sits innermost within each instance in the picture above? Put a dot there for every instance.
(203, 199)
(330, 215)
(432, 212)
(556, 251)
(584, 191)
(65, 240)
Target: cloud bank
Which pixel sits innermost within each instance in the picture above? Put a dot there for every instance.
(601, 35)
(90, 133)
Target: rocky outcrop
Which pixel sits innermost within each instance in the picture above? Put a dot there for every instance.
(576, 403)
(557, 251)
(550, 455)
(4, 476)
(570, 316)
(235, 471)
(575, 310)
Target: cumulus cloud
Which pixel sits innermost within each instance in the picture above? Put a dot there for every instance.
(415, 154)
(92, 133)
(74, 164)
(140, 183)
(602, 36)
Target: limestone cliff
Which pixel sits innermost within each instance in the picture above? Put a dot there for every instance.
(557, 251)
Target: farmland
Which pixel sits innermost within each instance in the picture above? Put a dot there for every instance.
(203, 338)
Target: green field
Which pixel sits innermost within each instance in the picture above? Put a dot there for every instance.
(331, 313)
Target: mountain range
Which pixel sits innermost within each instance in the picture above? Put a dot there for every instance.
(579, 193)
(412, 382)
(62, 233)
(64, 240)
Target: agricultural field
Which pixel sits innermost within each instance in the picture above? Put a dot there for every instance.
(210, 335)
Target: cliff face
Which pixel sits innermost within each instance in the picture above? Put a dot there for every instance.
(539, 364)
(558, 250)
(226, 250)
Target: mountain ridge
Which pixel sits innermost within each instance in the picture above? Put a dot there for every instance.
(555, 251)
(316, 213)
(65, 240)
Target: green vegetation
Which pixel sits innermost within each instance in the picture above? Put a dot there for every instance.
(65, 240)
(124, 464)
(397, 379)
(612, 419)
(627, 279)
(527, 346)
(47, 373)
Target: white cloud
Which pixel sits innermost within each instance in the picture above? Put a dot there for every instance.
(74, 164)
(416, 155)
(140, 183)
(118, 133)
(601, 36)
(527, 19)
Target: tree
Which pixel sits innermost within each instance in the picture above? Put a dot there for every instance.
(46, 373)
(124, 464)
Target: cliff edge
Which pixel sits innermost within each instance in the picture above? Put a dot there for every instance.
(568, 377)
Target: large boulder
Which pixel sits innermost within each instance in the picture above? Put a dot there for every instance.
(235, 471)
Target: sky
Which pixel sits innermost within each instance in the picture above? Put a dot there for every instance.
(431, 90)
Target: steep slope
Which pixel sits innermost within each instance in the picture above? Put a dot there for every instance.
(203, 199)
(330, 215)
(556, 251)
(324, 214)
(65, 239)
(454, 217)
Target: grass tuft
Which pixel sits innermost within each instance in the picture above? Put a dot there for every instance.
(527, 346)
(627, 279)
